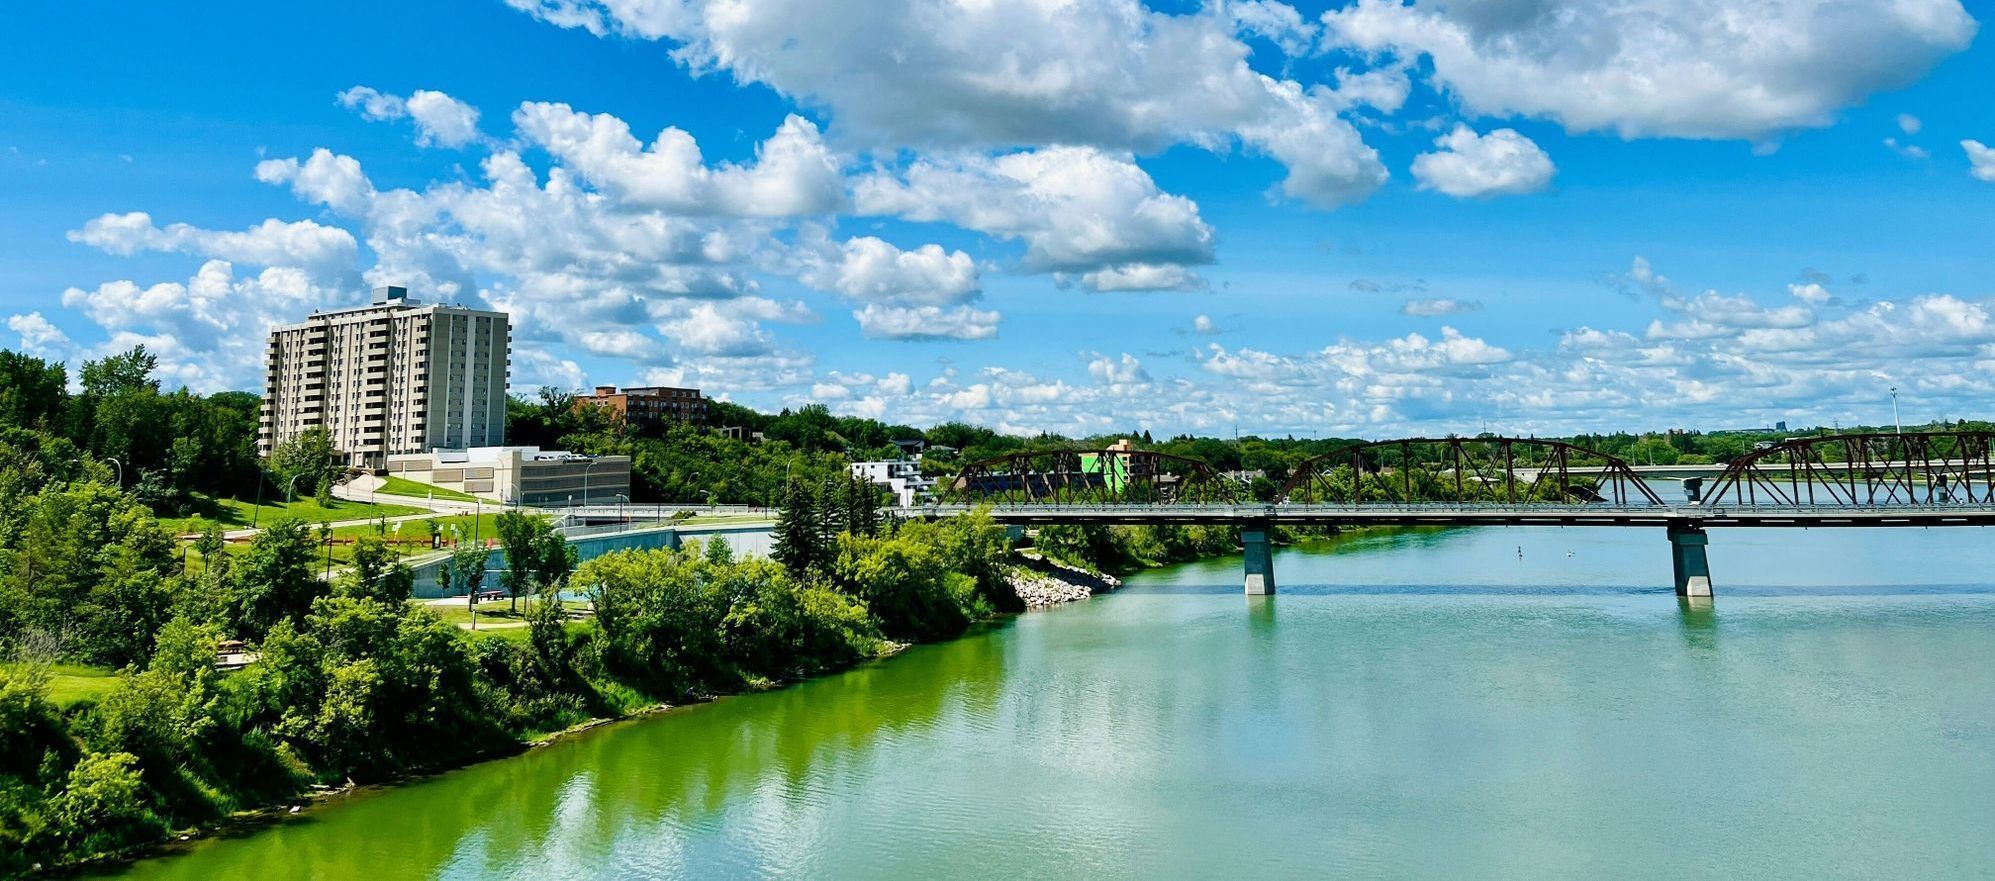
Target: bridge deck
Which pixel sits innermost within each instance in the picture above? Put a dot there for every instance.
(1483, 515)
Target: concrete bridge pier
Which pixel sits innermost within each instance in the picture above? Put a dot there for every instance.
(1256, 539)
(1693, 569)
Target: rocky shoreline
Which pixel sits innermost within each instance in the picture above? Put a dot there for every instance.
(1041, 582)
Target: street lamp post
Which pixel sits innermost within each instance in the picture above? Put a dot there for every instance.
(121, 469)
(621, 501)
(256, 513)
(1895, 421)
(585, 480)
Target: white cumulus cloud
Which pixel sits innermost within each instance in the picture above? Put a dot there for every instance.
(1662, 68)
(440, 120)
(1980, 159)
(1112, 74)
(1469, 165)
(794, 173)
(872, 269)
(328, 251)
(39, 336)
(926, 322)
(1077, 209)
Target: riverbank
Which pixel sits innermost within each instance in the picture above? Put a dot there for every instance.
(724, 627)
(1040, 582)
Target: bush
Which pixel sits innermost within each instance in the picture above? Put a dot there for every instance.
(103, 807)
(907, 584)
(692, 620)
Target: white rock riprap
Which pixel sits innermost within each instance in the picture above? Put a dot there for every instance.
(1041, 582)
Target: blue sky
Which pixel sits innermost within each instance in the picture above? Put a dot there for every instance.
(1373, 218)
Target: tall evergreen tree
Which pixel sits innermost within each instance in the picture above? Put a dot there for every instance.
(862, 506)
(799, 543)
(830, 513)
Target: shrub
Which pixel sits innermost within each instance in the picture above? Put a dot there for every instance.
(103, 806)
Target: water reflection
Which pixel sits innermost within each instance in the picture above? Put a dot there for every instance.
(1260, 615)
(1700, 622)
(1419, 705)
(577, 802)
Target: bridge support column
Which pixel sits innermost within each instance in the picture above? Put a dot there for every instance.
(1255, 538)
(1687, 558)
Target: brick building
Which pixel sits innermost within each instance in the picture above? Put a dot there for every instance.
(641, 408)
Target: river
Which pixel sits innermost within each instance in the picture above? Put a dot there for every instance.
(1422, 704)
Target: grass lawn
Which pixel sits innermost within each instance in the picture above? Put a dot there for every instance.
(464, 526)
(496, 619)
(73, 683)
(236, 513)
(402, 486)
(412, 536)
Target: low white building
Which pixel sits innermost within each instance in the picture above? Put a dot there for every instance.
(520, 475)
(903, 478)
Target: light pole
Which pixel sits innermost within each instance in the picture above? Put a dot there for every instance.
(621, 501)
(1900, 425)
(585, 481)
(257, 512)
(120, 472)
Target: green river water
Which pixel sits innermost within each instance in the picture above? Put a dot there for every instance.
(1412, 705)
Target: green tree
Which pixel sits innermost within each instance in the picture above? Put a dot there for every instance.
(717, 551)
(274, 581)
(88, 564)
(33, 392)
(467, 569)
(521, 534)
(547, 633)
(799, 538)
(212, 547)
(557, 558)
(377, 573)
(124, 373)
(907, 585)
(309, 458)
(861, 500)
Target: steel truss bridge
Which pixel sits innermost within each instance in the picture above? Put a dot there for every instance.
(1922, 479)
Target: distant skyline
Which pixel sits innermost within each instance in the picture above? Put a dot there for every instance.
(1373, 218)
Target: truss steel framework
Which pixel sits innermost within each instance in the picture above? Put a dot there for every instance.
(1478, 470)
(1863, 470)
(1091, 477)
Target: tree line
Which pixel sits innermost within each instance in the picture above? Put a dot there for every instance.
(351, 680)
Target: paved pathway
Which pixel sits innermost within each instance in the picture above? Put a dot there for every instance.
(365, 488)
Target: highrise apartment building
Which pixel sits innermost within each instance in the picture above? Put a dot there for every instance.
(394, 376)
